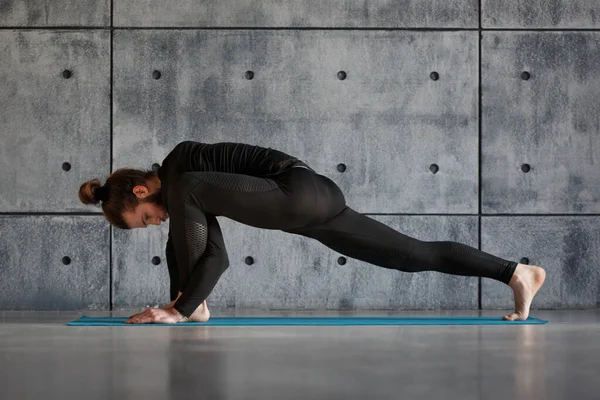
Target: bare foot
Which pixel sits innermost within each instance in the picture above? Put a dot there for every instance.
(201, 314)
(525, 283)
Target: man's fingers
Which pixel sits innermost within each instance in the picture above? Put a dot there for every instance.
(140, 320)
(137, 318)
(140, 313)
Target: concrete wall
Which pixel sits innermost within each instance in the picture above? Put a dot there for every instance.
(518, 154)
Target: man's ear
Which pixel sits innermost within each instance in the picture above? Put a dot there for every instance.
(141, 191)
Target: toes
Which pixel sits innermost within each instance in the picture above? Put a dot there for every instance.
(511, 317)
(514, 317)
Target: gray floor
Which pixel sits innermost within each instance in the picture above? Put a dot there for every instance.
(40, 357)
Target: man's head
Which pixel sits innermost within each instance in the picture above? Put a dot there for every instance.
(130, 198)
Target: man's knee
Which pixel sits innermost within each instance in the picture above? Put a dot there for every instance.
(425, 256)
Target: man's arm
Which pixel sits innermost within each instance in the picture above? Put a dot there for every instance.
(173, 270)
(202, 281)
(197, 242)
(200, 252)
(175, 294)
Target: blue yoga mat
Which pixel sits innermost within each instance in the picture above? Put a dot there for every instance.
(315, 321)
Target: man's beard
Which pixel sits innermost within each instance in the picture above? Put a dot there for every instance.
(155, 198)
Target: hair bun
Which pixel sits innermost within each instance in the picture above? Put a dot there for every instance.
(87, 192)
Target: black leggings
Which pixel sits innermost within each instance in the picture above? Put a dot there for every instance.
(302, 202)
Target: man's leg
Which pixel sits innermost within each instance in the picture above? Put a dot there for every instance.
(369, 240)
(363, 238)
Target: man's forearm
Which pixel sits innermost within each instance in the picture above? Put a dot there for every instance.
(202, 281)
(171, 304)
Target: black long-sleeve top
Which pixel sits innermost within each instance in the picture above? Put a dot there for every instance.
(190, 272)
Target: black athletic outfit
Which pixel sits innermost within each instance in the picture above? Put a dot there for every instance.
(269, 189)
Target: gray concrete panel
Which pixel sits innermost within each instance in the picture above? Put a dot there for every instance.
(43, 13)
(566, 14)
(388, 121)
(33, 270)
(47, 120)
(549, 121)
(137, 282)
(566, 247)
(291, 13)
(294, 272)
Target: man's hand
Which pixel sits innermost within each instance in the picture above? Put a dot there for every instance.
(157, 316)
